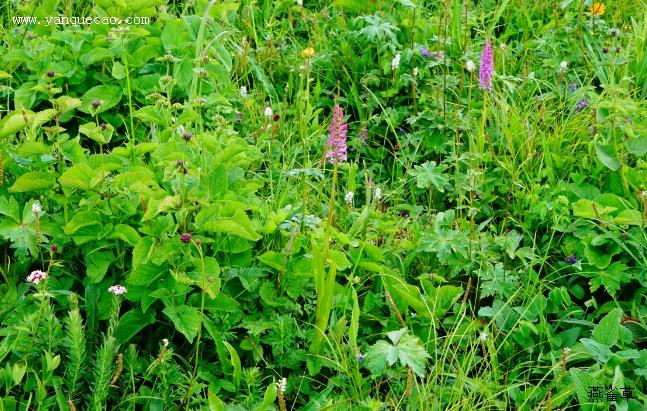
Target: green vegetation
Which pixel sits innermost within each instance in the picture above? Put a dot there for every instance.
(346, 205)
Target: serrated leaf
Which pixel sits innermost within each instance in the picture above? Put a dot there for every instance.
(10, 208)
(408, 351)
(429, 174)
(186, 319)
(607, 331)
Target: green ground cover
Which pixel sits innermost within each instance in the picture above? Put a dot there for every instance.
(311, 205)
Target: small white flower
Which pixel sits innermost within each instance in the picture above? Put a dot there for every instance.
(300, 3)
(483, 336)
(470, 66)
(269, 112)
(282, 385)
(395, 63)
(643, 195)
(349, 197)
(412, 314)
(243, 91)
(566, 350)
(35, 208)
(117, 289)
(378, 193)
(165, 342)
(36, 276)
(415, 72)
(563, 66)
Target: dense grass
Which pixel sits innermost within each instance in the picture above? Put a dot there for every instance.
(476, 247)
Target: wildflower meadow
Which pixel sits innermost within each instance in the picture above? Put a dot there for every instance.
(232, 205)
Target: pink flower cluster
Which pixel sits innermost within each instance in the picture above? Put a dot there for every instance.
(36, 277)
(337, 136)
(117, 289)
(487, 66)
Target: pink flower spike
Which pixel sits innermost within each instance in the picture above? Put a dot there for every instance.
(117, 289)
(336, 145)
(487, 67)
(36, 277)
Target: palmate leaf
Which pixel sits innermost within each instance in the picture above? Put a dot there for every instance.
(405, 348)
(429, 174)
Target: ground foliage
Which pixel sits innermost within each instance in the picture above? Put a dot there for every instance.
(479, 249)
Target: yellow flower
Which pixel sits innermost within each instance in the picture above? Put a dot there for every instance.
(597, 9)
(308, 53)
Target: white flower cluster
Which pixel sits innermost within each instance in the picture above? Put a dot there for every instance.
(395, 63)
(117, 289)
(349, 197)
(282, 385)
(563, 66)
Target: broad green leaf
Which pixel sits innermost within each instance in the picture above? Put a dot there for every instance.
(239, 225)
(125, 233)
(64, 104)
(131, 323)
(97, 264)
(607, 331)
(588, 209)
(32, 148)
(82, 218)
(15, 122)
(583, 383)
(186, 319)
(637, 146)
(145, 274)
(142, 251)
(607, 156)
(175, 36)
(42, 117)
(628, 217)
(80, 176)
(101, 135)
(10, 208)
(106, 96)
(32, 181)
